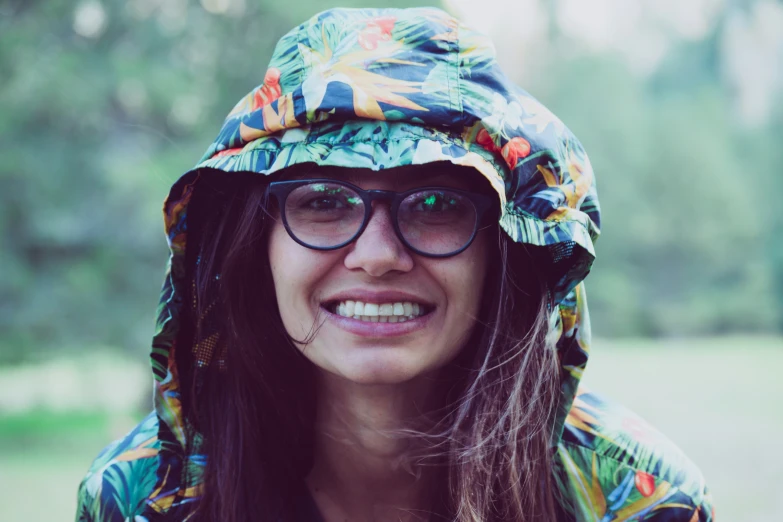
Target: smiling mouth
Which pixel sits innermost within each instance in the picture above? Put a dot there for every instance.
(393, 312)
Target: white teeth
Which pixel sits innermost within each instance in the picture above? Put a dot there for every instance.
(382, 318)
(397, 312)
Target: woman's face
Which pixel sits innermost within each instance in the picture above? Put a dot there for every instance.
(377, 269)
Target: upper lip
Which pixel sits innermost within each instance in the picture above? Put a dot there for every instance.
(375, 296)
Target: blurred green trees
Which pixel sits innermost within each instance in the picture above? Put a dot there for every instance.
(104, 105)
(691, 235)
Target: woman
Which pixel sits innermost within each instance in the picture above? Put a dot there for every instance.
(374, 308)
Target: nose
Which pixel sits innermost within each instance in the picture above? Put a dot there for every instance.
(378, 250)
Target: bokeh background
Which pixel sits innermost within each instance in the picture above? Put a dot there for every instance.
(103, 104)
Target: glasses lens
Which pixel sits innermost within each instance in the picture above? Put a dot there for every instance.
(324, 214)
(437, 221)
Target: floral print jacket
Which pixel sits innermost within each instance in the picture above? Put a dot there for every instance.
(377, 89)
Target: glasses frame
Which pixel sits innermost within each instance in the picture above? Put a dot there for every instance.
(281, 189)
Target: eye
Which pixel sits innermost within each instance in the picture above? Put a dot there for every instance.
(321, 197)
(435, 202)
(325, 203)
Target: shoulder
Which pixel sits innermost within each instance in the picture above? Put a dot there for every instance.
(614, 464)
(121, 477)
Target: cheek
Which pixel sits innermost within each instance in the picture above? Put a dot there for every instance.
(297, 273)
(289, 276)
(470, 279)
(277, 252)
(463, 279)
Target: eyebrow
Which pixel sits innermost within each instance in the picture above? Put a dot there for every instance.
(409, 178)
(404, 179)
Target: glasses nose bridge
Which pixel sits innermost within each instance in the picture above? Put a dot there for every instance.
(389, 197)
(385, 196)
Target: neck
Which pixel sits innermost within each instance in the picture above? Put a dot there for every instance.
(362, 468)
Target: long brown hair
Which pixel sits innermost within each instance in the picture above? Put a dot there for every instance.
(250, 403)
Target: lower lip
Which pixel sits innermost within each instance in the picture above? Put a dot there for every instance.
(369, 329)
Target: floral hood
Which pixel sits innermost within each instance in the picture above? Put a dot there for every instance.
(382, 88)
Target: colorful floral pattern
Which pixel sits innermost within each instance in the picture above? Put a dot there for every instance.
(382, 88)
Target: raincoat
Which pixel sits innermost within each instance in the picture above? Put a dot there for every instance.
(377, 89)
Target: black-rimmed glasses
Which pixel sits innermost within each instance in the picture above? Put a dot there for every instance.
(326, 214)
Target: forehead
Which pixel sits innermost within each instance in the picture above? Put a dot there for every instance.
(397, 178)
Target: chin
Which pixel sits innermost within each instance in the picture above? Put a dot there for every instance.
(379, 371)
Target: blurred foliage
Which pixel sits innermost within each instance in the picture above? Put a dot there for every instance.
(104, 105)
(691, 226)
(41, 424)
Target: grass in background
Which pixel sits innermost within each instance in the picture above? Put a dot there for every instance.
(44, 456)
(718, 399)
